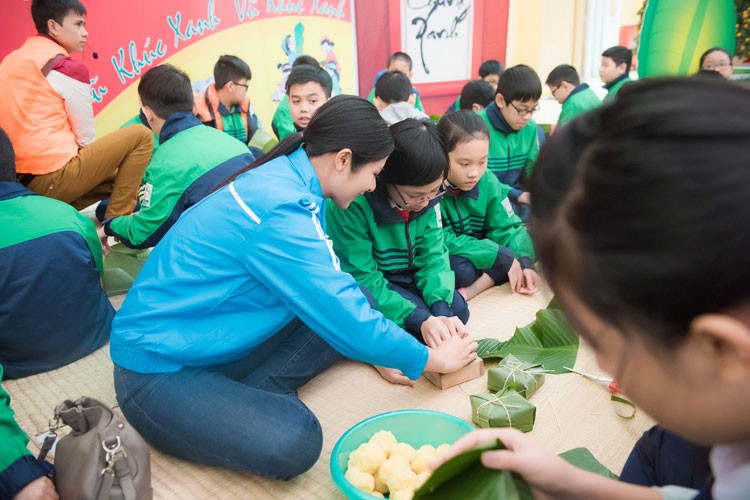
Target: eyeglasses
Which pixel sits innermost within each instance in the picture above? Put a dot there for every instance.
(524, 112)
(713, 67)
(242, 85)
(552, 91)
(439, 192)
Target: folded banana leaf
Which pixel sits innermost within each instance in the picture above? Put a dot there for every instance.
(513, 373)
(464, 476)
(503, 409)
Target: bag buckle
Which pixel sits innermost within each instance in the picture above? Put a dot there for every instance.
(110, 455)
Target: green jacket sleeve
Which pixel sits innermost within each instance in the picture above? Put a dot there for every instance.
(92, 241)
(533, 152)
(18, 467)
(159, 200)
(502, 225)
(282, 122)
(350, 232)
(434, 277)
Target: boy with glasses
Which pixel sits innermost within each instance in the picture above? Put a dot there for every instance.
(225, 105)
(567, 89)
(514, 143)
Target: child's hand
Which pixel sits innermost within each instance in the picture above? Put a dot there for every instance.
(434, 331)
(452, 355)
(393, 375)
(104, 240)
(455, 325)
(530, 282)
(39, 489)
(515, 276)
(545, 472)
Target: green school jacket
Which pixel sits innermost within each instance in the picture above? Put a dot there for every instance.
(191, 161)
(613, 89)
(512, 153)
(375, 244)
(477, 222)
(579, 101)
(282, 122)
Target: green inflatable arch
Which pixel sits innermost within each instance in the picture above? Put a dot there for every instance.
(676, 32)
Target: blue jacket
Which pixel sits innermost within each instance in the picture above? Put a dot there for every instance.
(52, 307)
(237, 267)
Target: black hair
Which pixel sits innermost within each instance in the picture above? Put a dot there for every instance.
(44, 10)
(7, 159)
(490, 67)
(520, 83)
(400, 56)
(345, 121)
(712, 50)
(563, 73)
(305, 73)
(457, 127)
(393, 86)
(166, 89)
(229, 69)
(476, 92)
(305, 59)
(708, 73)
(418, 158)
(653, 232)
(620, 55)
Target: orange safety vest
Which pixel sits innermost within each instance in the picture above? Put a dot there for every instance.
(32, 113)
(207, 109)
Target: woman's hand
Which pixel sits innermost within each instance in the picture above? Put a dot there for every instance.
(452, 355)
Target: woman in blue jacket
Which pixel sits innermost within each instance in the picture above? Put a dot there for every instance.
(243, 302)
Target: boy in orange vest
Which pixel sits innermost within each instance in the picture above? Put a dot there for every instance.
(47, 112)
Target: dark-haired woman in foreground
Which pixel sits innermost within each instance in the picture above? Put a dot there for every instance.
(243, 302)
(649, 255)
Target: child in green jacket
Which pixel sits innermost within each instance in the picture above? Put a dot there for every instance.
(576, 97)
(391, 239)
(488, 244)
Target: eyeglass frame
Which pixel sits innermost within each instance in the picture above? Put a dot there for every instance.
(714, 67)
(439, 193)
(524, 112)
(246, 85)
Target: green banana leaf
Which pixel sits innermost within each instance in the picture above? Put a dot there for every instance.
(464, 476)
(490, 348)
(676, 32)
(583, 459)
(549, 341)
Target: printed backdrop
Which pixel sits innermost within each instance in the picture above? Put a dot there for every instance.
(131, 37)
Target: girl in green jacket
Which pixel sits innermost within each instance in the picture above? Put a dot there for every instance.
(487, 242)
(391, 239)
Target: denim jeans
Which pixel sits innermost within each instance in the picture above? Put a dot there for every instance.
(244, 415)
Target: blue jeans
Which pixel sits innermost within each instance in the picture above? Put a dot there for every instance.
(244, 415)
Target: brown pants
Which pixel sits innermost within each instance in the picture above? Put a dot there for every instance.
(111, 166)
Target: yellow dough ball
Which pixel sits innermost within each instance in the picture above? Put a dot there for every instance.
(380, 485)
(384, 439)
(442, 449)
(397, 474)
(368, 457)
(422, 457)
(402, 495)
(403, 450)
(360, 479)
(377, 494)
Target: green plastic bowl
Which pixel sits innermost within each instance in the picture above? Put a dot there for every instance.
(415, 427)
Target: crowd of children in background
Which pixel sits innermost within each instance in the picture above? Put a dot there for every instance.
(422, 217)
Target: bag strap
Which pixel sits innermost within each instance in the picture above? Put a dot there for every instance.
(117, 465)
